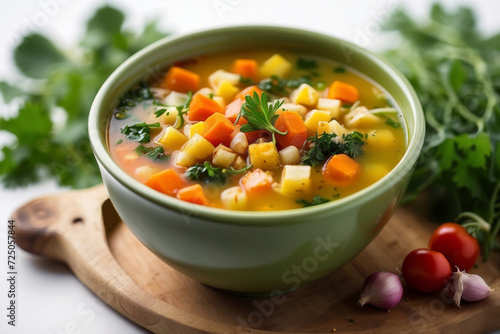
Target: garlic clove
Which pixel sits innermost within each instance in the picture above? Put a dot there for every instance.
(469, 287)
(381, 289)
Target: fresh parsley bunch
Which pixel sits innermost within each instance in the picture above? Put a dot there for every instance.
(62, 82)
(456, 73)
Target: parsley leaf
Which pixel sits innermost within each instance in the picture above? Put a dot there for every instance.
(317, 200)
(205, 172)
(153, 153)
(305, 64)
(322, 147)
(139, 132)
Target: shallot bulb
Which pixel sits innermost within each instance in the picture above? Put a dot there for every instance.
(469, 287)
(382, 289)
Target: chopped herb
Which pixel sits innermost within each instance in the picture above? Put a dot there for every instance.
(315, 74)
(211, 96)
(320, 85)
(278, 86)
(181, 110)
(153, 153)
(339, 70)
(392, 123)
(326, 145)
(205, 172)
(119, 141)
(160, 112)
(137, 94)
(315, 201)
(139, 132)
(347, 106)
(260, 114)
(351, 320)
(304, 64)
(121, 115)
(246, 81)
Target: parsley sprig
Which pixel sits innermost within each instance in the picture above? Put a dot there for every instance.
(139, 132)
(327, 144)
(205, 172)
(260, 114)
(181, 110)
(154, 153)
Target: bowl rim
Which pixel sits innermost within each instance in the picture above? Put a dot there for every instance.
(226, 216)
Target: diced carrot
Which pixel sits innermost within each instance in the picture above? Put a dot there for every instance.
(181, 80)
(257, 181)
(166, 181)
(232, 111)
(218, 129)
(343, 91)
(247, 68)
(293, 124)
(193, 194)
(340, 169)
(248, 91)
(202, 107)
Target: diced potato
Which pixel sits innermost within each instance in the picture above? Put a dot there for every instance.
(204, 91)
(323, 127)
(290, 155)
(382, 139)
(223, 158)
(132, 156)
(331, 105)
(313, 118)
(239, 144)
(360, 117)
(145, 172)
(296, 180)
(264, 156)
(338, 129)
(220, 101)
(185, 159)
(197, 128)
(220, 75)
(175, 99)
(239, 163)
(305, 95)
(186, 130)
(234, 198)
(298, 108)
(171, 139)
(226, 90)
(276, 65)
(169, 117)
(198, 147)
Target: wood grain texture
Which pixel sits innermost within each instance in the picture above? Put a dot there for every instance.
(82, 229)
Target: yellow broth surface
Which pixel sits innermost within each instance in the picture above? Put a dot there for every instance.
(385, 141)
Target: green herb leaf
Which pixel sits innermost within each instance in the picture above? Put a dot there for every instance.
(260, 114)
(139, 132)
(317, 200)
(205, 172)
(153, 153)
(327, 144)
(305, 64)
(37, 57)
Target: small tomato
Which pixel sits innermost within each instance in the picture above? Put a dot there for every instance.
(426, 270)
(459, 247)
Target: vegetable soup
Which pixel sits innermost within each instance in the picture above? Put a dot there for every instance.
(257, 131)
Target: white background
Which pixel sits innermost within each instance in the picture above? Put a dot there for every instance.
(50, 299)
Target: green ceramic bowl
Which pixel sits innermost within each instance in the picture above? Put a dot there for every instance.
(254, 252)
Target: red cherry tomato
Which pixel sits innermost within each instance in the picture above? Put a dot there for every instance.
(426, 270)
(459, 247)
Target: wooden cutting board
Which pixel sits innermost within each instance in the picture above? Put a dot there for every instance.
(83, 229)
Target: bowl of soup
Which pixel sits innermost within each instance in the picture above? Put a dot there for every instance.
(256, 159)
